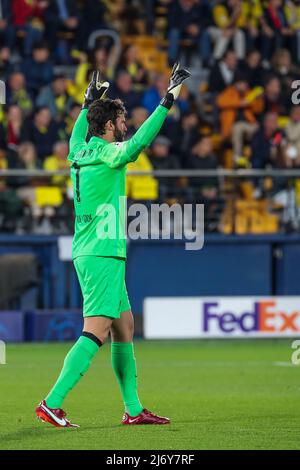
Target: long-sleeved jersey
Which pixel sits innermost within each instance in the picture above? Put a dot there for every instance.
(98, 172)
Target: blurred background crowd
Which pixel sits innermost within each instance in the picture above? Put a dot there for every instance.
(236, 112)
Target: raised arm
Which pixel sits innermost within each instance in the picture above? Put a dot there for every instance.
(96, 90)
(79, 132)
(121, 153)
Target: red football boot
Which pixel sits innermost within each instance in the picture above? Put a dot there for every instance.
(145, 417)
(55, 416)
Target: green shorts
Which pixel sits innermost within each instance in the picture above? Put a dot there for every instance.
(102, 282)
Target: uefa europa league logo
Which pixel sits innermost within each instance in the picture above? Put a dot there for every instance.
(2, 92)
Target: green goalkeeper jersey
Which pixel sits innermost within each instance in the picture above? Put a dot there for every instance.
(98, 172)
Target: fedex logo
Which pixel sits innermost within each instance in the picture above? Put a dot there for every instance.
(222, 317)
(264, 316)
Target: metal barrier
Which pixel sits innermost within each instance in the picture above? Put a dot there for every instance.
(278, 204)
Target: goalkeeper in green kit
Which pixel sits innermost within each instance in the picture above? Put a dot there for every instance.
(98, 172)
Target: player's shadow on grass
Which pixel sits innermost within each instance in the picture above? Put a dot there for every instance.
(21, 434)
(25, 434)
(28, 433)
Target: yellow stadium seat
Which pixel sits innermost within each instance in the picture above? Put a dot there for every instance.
(226, 224)
(257, 224)
(140, 186)
(48, 196)
(247, 190)
(241, 224)
(272, 223)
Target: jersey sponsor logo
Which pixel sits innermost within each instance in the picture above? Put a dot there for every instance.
(119, 144)
(82, 153)
(85, 218)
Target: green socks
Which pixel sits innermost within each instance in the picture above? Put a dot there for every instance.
(76, 363)
(124, 366)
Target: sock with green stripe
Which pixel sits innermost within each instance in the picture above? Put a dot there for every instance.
(77, 362)
(124, 366)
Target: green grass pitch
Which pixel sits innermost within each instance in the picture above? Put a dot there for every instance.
(219, 395)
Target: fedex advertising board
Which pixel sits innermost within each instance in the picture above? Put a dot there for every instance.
(221, 317)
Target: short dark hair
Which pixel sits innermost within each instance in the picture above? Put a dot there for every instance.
(38, 109)
(102, 111)
(41, 45)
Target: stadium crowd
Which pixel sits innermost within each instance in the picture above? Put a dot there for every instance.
(238, 112)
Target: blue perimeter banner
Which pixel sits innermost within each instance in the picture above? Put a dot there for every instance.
(46, 325)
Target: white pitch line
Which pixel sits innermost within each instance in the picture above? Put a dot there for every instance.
(284, 364)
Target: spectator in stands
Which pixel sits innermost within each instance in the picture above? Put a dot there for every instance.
(188, 19)
(23, 158)
(154, 94)
(283, 69)
(252, 11)
(4, 62)
(274, 101)
(101, 60)
(5, 25)
(229, 19)
(202, 157)
(151, 99)
(38, 70)
(17, 93)
(292, 12)
(61, 15)
(162, 159)
(27, 189)
(42, 132)
(27, 158)
(55, 97)
(58, 161)
(128, 17)
(222, 74)
(138, 117)
(69, 121)
(10, 131)
(76, 87)
(105, 60)
(27, 17)
(131, 63)
(292, 143)
(187, 136)
(122, 88)
(282, 66)
(276, 31)
(252, 68)
(265, 145)
(236, 109)
(92, 19)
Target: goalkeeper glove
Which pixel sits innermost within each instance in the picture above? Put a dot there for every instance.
(177, 78)
(95, 91)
